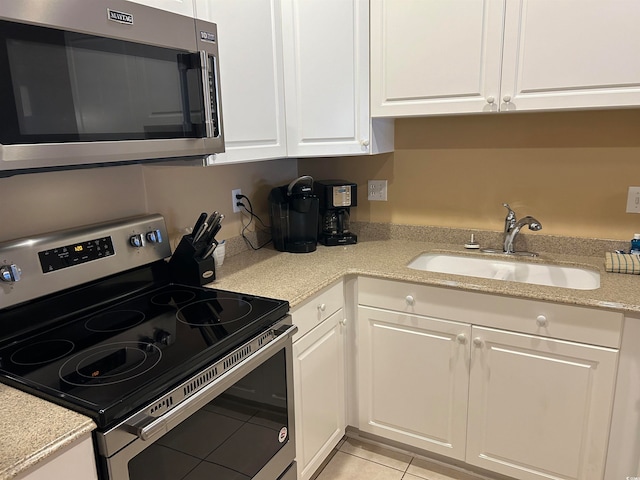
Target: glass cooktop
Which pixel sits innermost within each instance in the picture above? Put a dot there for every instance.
(108, 362)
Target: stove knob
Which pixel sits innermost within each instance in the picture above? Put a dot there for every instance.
(163, 338)
(10, 273)
(137, 240)
(155, 236)
(147, 345)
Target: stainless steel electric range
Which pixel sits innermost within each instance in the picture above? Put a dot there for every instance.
(184, 382)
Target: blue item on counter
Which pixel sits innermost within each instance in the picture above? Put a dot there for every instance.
(635, 244)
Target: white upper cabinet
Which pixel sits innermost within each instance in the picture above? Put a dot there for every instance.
(326, 64)
(295, 79)
(181, 7)
(250, 48)
(571, 54)
(443, 57)
(436, 56)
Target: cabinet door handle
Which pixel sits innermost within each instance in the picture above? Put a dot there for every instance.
(490, 100)
(322, 307)
(506, 98)
(364, 143)
(541, 320)
(410, 300)
(462, 338)
(343, 322)
(478, 342)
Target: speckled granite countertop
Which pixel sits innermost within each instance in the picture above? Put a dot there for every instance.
(294, 277)
(34, 429)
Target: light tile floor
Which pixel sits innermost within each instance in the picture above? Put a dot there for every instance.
(357, 460)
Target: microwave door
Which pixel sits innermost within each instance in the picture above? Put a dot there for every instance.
(71, 98)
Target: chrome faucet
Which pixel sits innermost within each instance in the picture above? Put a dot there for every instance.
(512, 227)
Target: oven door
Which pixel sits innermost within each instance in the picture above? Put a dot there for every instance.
(103, 91)
(240, 428)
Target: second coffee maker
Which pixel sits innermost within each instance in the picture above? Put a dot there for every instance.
(336, 197)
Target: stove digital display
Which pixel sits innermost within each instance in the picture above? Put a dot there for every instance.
(70, 255)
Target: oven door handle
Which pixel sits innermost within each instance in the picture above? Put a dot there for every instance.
(146, 427)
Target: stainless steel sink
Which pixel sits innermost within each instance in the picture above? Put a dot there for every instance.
(505, 269)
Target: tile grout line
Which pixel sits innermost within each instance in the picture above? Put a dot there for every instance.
(377, 463)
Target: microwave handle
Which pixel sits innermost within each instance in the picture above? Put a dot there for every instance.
(210, 91)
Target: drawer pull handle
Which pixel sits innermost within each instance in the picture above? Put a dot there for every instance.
(478, 342)
(410, 300)
(462, 338)
(541, 320)
(322, 307)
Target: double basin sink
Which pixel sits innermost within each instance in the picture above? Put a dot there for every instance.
(510, 270)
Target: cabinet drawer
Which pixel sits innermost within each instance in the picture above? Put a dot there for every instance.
(565, 322)
(318, 308)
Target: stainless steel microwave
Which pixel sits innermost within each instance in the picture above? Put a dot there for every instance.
(86, 83)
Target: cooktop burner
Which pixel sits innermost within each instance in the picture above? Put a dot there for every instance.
(114, 321)
(109, 361)
(42, 352)
(221, 311)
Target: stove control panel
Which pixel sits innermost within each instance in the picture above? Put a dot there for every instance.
(54, 261)
(75, 254)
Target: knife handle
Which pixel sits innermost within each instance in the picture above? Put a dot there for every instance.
(210, 250)
(199, 222)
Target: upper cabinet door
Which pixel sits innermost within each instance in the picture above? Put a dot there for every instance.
(250, 47)
(326, 48)
(571, 54)
(181, 7)
(436, 56)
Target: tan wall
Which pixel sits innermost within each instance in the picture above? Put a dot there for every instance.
(42, 202)
(181, 194)
(570, 170)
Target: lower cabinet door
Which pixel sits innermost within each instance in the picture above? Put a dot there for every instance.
(413, 379)
(75, 463)
(538, 407)
(319, 392)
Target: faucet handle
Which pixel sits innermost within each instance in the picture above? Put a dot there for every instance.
(511, 216)
(510, 219)
(511, 212)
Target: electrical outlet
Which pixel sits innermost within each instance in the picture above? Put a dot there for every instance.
(235, 200)
(377, 190)
(633, 200)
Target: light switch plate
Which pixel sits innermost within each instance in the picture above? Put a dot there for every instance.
(377, 190)
(633, 200)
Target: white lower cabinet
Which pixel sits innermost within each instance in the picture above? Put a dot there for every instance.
(538, 407)
(75, 463)
(478, 378)
(414, 379)
(319, 379)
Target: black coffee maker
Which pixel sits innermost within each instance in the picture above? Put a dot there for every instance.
(336, 198)
(293, 210)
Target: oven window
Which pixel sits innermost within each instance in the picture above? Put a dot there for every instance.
(58, 86)
(230, 438)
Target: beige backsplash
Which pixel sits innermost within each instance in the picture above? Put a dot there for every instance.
(41, 202)
(570, 170)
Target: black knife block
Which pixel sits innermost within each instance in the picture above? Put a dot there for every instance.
(187, 266)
